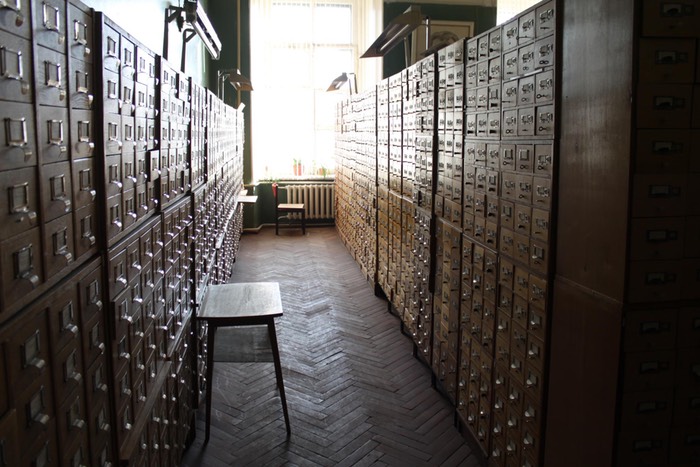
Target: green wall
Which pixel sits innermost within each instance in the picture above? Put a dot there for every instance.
(484, 19)
(224, 17)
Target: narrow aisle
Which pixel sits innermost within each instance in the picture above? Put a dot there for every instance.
(356, 395)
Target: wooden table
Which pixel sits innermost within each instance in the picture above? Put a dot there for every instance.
(242, 304)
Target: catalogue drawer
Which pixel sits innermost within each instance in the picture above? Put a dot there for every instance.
(657, 238)
(15, 68)
(647, 409)
(522, 219)
(115, 216)
(521, 250)
(545, 52)
(482, 98)
(526, 59)
(482, 126)
(509, 35)
(653, 281)
(18, 134)
(84, 182)
(53, 130)
(80, 31)
(526, 90)
(111, 59)
(85, 227)
(663, 18)
(49, 24)
(526, 27)
(117, 271)
(536, 352)
(127, 100)
(77, 453)
(81, 85)
(509, 94)
(661, 106)
(663, 151)
(688, 368)
(111, 103)
(642, 447)
(688, 327)
(542, 193)
(506, 244)
(82, 133)
(129, 208)
(526, 124)
(62, 312)
(649, 370)
(650, 329)
(112, 134)
(692, 195)
(128, 135)
(145, 65)
(518, 339)
(51, 80)
(21, 266)
(67, 372)
(14, 18)
(128, 59)
(35, 414)
(124, 422)
(539, 256)
(9, 438)
(93, 334)
(502, 358)
(141, 141)
(684, 444)
(545, 121)
(18, 193)
(659, 195)
(59, 250)
(495, 70)
(666, 60)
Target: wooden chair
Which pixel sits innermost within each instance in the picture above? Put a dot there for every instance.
(286, 209)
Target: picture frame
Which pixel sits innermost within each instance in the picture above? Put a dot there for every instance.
(442, 33)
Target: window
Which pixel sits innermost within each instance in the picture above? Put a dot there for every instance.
(298, 47)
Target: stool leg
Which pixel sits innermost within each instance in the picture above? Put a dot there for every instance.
(278, 371)
(211, 333)
(303, 222)
(277, 223)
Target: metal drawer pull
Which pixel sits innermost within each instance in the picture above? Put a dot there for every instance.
(13, 5)
(12, 69)
(80, 36)
(36, 407)
(52, 21)
(55, 130)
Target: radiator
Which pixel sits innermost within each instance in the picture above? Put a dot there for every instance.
(318, 199)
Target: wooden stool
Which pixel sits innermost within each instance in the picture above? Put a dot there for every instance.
(242, 304)
(287, 208)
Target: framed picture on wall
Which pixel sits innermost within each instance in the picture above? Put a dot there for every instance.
(442, 33)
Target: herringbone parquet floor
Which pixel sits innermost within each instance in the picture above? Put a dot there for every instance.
(356, 394)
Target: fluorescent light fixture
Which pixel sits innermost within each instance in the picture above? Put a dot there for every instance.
(341, 80)
(397, 30)
(237, 80)
(196, 20)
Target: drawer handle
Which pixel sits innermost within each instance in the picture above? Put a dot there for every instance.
(79, 424)
(7, 4)
(33, 279)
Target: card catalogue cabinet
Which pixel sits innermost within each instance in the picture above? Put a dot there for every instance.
(101, 274)
(555, 208)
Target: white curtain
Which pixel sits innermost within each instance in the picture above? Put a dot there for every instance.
(297, 48)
